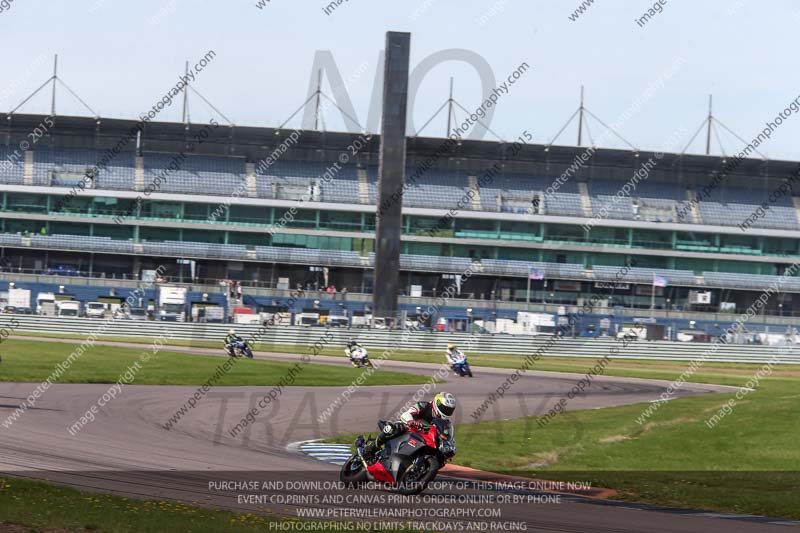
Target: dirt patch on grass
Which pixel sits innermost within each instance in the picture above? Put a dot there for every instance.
(612, 439)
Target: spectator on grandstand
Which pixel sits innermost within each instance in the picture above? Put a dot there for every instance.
(344, 293)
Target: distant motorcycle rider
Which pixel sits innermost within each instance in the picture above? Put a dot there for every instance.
(352, 346)
(231, 339)
(454, 355)
(417, 417)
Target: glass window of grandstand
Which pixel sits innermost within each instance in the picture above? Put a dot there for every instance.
(155, 234)
(615, 260)
(112, 207)
(609, 236)
(243, 214)
(423, 248)
(340, 220)
(317, 242)
(564, 233)
(564, 257)
(520, 231)
(651, 261)
(13, 225)
(776, 246)
(698, 266)
(739, 244)
(75, 204)
(430, 226)
(27, 203)
(68, 228)
(162, 210)
(695, 242)
(745, 267)
(249, 238)
(118, 232)
(643, 238)
(199, 235)
(473, 252)
(198, 212)
(475, 229)
(300, 218)
(519, 254)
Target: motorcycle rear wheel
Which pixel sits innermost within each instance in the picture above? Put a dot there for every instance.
(410, 485)
(352, 472)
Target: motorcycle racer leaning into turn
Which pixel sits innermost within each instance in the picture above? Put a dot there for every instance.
(352, 346)
(232, 339)
(418, 416)
(454, 355)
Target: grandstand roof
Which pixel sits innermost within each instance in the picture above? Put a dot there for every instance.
(256, 143)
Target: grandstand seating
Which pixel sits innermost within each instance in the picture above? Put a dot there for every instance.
(67, 167)
(731, 206)
(285, 179)
(12, 166)
(196, 174)
(565, 201)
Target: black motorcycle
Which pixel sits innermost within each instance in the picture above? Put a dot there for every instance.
(408, 462)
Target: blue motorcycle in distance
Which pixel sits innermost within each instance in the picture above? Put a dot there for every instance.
(461, 367)
(240, 349)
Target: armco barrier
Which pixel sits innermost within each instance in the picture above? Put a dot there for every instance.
(378, 340)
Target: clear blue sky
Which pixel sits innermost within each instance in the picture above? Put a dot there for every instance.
(122, 56)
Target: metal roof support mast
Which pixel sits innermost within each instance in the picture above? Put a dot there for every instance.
(580, 119)
(710, 122)
(53, 79)
(53, 96)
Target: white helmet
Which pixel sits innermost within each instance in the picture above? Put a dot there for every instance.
(444, 404)
(231, 331)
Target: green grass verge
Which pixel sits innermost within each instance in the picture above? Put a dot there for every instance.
(749, 462)
(669, 370)
(34, 361)
(41, 505)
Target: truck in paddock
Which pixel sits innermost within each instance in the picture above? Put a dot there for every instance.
(46, 304)
(172, 303)
(70, 308)
(95, 310)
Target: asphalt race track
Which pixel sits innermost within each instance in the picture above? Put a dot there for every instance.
(128, 451)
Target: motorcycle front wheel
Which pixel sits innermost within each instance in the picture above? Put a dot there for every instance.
(415, 478)
(352, 472)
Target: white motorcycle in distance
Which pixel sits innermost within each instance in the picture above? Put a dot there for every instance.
(358, 356)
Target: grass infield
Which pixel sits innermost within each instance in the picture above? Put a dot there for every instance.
(747, 462)
(33, 361)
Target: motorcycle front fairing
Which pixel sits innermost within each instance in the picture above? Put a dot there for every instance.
(401, 451)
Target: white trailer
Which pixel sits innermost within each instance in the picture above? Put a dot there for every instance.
(46, 303)
(172, 303)
(536, 323)
(19, 297)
